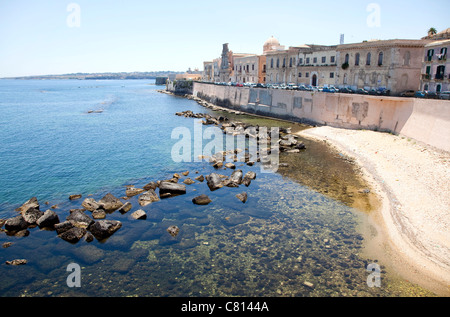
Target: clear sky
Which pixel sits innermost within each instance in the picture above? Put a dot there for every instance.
(43, 37)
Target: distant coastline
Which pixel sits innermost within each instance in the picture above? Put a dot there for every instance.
(97, 76)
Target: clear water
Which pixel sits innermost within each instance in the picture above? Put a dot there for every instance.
(286, 234)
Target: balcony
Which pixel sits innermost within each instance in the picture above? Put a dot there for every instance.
(441, 57)
(428, 58)
(439, 77)
(426, 76)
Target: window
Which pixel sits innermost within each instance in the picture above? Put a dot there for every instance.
(253, 66)
(430, 54)
(300, 61)
(428, 71)
(315, 60)
(380, 59)
(284, 62)
(290, 62)
(278, 63)
(440, 72)
(307, 75)
(299, 74)
(332, 58)
(324, 59)
(369, 57)
(357, 59)
(347, 59)
(247, 68)
(331, 75)
(271, 63)
(406, 58)
(307, 60)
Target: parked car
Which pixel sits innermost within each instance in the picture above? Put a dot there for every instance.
(444, 95)
(259, 85)
(346, 90)
(408, 93)
(420, 94)
(292, 86)
(362, 91)
(330, 89)
(431, 95)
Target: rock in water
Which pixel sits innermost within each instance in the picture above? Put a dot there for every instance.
(200, 178)
(31, 203)
(104, 228)
(236, 177)
(249, 176)
(151, 185)
(73, 235)
(17, 262)
(242, 197)
(148, 197)
(110, 203)
(125, 208)
(214, 181)
(79, 219)
(90, 204)
(173, 230)
(132, 191)
(75, 197)
(48, 220)
(168, 189)
(201, 200)
(188, 181)
(139, 215)
(16, 224)
(32, 215)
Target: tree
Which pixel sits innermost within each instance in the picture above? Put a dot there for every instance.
(432, 31)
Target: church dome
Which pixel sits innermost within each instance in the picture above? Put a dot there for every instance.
(271, 45)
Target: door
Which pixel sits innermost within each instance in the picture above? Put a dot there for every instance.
(314, 80)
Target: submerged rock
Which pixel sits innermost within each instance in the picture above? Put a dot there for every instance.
(173, 231)
(17, 262)
(242, 197)
(75, 197)
(201, 200)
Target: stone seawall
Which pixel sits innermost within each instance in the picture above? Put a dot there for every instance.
(424, 120)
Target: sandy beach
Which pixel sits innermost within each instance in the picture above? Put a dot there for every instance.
(412, 181)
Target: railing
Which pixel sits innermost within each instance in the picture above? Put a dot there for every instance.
(426, 76)
(439, 77)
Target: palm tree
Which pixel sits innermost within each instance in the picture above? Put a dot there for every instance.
(432, 31)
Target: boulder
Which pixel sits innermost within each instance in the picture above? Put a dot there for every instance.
(214, 181)
(103, 229)
(125, 208)
(236, 177)
(63, 226)
(75, 197)
(201, 200)
(79, 219)
(16, 262)
(230, 165)
(31, 203)
(16, 223)
(48, 220)
(110, 203)
(32, 215)
(188, 181)
(248, 177)
(242, 197)
(132, 191)
(148, 197)
(90, 204)
(168, 189)
(185, 173)
(139, 215)
(151, 185)
(73, 235)
(200, 178)
(99, 214)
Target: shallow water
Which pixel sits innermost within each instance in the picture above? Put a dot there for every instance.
(292, 229)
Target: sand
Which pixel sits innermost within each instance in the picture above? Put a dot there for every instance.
(411, 229)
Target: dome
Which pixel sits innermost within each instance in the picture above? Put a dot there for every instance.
(272, 42)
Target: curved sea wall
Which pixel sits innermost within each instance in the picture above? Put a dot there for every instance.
(425, 120)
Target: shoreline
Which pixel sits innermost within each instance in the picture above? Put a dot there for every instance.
(410, 229)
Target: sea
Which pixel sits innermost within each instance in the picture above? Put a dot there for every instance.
(93, 137)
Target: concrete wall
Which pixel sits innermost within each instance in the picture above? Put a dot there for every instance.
(424, 120)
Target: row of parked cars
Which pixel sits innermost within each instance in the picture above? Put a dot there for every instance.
(347, 90)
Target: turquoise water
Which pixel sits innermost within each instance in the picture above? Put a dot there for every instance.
(286, 240)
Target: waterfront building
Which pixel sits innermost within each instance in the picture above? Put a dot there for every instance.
(436, 67)
(394, 65)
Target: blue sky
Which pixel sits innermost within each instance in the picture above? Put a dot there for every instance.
(132, 35)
